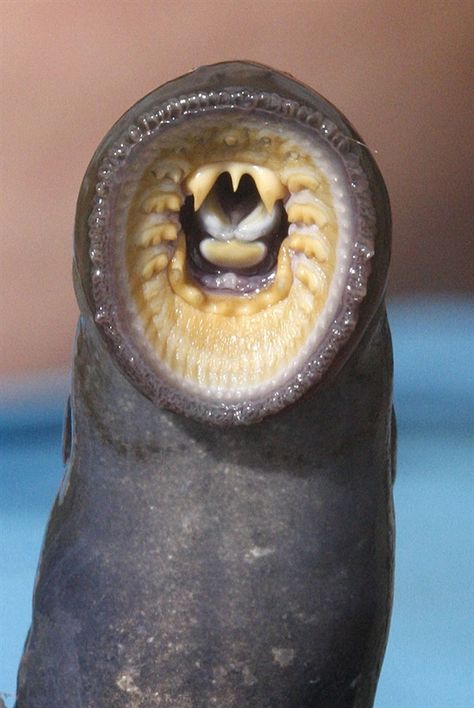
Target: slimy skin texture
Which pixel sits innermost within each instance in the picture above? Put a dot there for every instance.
(223, 534)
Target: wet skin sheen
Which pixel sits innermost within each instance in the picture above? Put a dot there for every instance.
(223, 539)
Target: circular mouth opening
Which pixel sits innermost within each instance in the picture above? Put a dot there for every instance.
(234, 252)
(231, 238)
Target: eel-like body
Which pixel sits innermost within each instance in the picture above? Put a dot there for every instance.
(223, 535)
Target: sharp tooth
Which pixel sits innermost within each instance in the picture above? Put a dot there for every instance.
(173, 169)
(236, 171)
(307, 214)
(298, 182)
(311, 276)
(162, 201)
(144, 231)
(298, 179)
(309, 240)
(201, 182)
(152, 261)
(268, 184)
(308, 209)
(153, 219)
(154, 235)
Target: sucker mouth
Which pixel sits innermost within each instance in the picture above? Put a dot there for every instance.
(227, 231)
(230, 242)
(245, 231)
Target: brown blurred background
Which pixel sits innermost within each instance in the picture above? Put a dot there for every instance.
(400, 71)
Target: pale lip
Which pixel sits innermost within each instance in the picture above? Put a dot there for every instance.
(174, 369)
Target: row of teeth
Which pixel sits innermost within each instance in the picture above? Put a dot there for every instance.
(158, 230)
(167, 197)
(310, 240)
(277, 291)
(307, 272)
(241, 354)
(269, 186)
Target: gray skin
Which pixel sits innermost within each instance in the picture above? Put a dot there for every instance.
(191, 565)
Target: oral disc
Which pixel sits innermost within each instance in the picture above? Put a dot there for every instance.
(259, 209)
(233, 244)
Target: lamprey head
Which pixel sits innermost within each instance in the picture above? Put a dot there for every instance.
(230, 230)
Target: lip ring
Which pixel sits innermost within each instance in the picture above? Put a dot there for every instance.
(129, 356)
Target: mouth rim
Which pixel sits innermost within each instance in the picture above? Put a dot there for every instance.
(106, 302)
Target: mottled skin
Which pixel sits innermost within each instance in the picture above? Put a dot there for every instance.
(189, 565)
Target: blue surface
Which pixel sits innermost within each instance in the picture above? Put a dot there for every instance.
(430, 654)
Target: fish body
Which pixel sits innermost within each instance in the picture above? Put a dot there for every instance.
(224, 548)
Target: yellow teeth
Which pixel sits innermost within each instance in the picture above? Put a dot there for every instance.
(189, 293)
(165, 196)
(306, 208)
(311, 276)
(173, 170)
(156, 234)
(233, 254)
(223, 304)
(152, 261)
(269, 186)
(298, 180)
(310, 241)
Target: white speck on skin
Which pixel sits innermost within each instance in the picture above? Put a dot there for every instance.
(283, 657)
(258, 552)
(126, 683)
